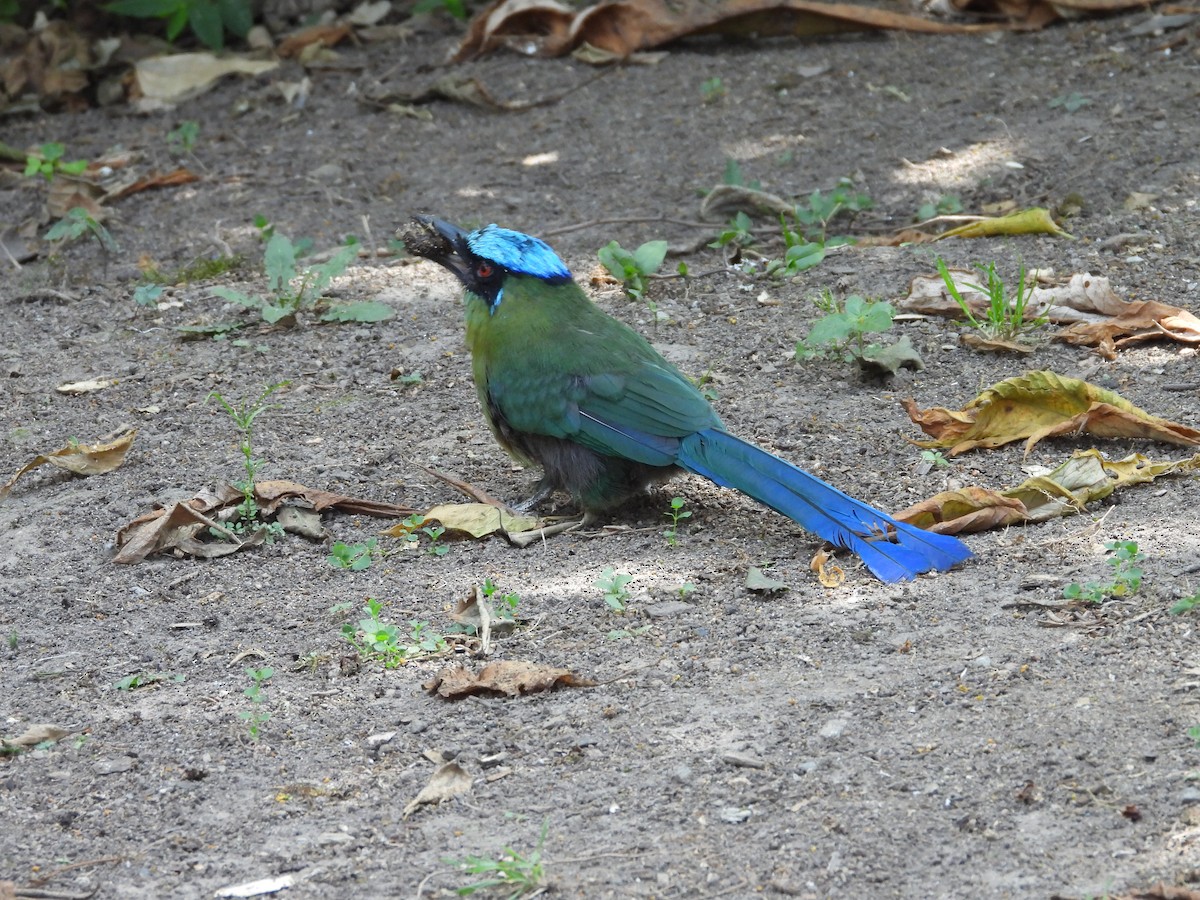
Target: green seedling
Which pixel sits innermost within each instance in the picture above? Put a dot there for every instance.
(414, 526)
(712, 90)
(145, 679)
(676, 513)
(801, 253)
(1124, 559)
(634, 268)
(843, 332)
(737, 233)
(292, 289)
(519, 876)
(614, 586)
(256, 717)
(935, 458)
(49, 162)
(243, 417)
(376, 639)
(77, 223)
(182, 139)
(1186, 604)
(147, 294)
(1194, 734)
(621, 634)
(455, 8)
(684, 589)
(946, 205)
(1006, 318)
(733, 176)
(1072, 102)
(821, 209)
(704, 384)
(434, 533)
(208, 19)
(504, 606)
(13, 639)
(354, 557)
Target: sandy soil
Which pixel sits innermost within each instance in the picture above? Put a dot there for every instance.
(947, 738)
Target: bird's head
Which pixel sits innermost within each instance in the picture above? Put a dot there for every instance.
(484, 258)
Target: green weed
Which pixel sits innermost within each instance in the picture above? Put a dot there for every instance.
(354, 557)
(614, 586)
(633, 269)
(1006, 318)
(455, 8)
(935, 458)
(145, 679)
(13, 639)
(1124, 560)
(712, 90)
(504, 606)
(946, 205)
(256, 717)
(843, 331)
(49, 162)
(815, 216)
(77, 223)
(376, 639)
(676, 513)
(1194, 734)
(517, 874)
(739, 232)
(1072, 102)
(1186, 604)
(243, 417)
(208, 19)
(292, 289)
(181, 140)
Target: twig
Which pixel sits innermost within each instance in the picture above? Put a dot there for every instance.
(629, 220)
(477, 494)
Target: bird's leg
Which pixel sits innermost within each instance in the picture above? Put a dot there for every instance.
(541, 491)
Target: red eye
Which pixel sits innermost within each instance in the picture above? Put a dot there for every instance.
(484, 270)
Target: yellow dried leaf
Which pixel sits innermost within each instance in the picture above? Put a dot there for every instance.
(80, 459)
(481, 519)
(1035, 220)
(1038, 405)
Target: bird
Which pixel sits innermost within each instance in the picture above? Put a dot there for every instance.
(566, 386)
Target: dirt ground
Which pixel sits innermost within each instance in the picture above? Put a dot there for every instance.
(952, 737)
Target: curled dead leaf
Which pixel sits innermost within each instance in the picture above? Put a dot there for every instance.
(79, 459)
(447, 782)
(509, 677)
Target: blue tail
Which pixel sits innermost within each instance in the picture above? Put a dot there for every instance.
(819, 507)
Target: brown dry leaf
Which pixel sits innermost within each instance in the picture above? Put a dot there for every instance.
(1039, 405)
(447, 781)
(1135, 322)
(323, 35)
(34, 735)
(1035, 220)
(829, 573)
(173, 178)
(177, 526)
(622, 27)
(80, 459)
(8, 890)
(1084, 478)
(995, 345)
(512, 677)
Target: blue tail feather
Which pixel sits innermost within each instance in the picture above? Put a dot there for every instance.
(819, 507)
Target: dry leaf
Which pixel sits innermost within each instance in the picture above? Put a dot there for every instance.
(86, 387)
(757, 580)
(829, 573)
(509, 677)
(34, 735)
(1035, 220)
(481, 519)
(166, 80)
(980, 342)
(80, 459)
(1038, 405)
(447, 781)
(1084, 478)
(321, 35)
(622, 27)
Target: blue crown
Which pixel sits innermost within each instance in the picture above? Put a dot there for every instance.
(517, 252)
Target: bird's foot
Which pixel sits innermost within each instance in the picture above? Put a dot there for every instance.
(541, 492)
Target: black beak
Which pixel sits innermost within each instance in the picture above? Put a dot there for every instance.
(439, 241)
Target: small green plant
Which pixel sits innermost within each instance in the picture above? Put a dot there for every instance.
(376, 639)
(1006, 318)
(504, 606)
(843, 332)
(181, 140)
(946, 205)
(676, 513)
(77, 223)
(1194, 734)
(1072, 102)
(615, 587)
(801, 253)
(147, 294)
(13, 639)
(256, 716)
(208, 19)
(456, 8)
(1181, 606)
(684, 589)
(712, 90)
(291, 289)
(243, 417)
(519, 875)
(935, 458)
(49, 162)
(633, 269)
(354, 557)
(704, 384)
(738, 232)
(1124, 559)
(815, 216)
(145, 679)
(414, 526)
(434, 533)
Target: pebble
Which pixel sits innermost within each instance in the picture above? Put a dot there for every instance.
(113, 766)
(743, 760)
(734, 815)
(833, 728)
(667, 608)
(377, 740)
